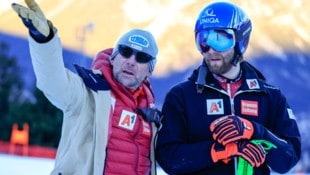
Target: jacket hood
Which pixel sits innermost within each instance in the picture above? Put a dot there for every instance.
(252, 70)
(102, 63)
(102, 59)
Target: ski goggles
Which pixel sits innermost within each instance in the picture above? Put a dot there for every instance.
(127, 52)
(219, 39)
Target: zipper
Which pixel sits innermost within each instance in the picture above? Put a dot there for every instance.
(232, 106)
(137, 145)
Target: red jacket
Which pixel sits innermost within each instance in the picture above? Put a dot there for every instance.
(128, 148)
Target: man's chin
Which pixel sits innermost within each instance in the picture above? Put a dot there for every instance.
(128, 83)
(214, 68)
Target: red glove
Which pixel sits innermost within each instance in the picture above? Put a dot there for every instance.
(220, 152)
(252, 153)
(230, 129)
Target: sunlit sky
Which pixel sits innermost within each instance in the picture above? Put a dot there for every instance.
(89, 26)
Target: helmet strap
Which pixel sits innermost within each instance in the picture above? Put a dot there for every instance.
(237, 57)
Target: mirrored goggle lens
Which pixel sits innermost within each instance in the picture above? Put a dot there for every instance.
(127, 52)
(219, 40)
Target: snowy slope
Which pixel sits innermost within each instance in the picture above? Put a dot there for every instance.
(17, 165)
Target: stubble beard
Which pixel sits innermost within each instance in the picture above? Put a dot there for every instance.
(131, 83)
(219, 68)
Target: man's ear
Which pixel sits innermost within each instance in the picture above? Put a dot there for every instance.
(148, 75)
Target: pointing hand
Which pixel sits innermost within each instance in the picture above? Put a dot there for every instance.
(33, 18)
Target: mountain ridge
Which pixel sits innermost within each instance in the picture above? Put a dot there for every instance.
(88, 26)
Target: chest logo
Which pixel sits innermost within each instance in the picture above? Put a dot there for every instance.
(127, 120)
(215, 107)
(249, 107)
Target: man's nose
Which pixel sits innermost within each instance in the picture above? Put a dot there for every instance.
(211, 50)
(132, 59)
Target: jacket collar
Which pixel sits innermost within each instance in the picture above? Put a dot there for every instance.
(253, 79)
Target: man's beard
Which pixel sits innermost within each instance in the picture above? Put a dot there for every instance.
(128, 83)
(220, 69)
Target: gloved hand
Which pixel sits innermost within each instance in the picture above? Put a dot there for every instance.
(34, 19)
(231, 128)
(220, 152)
(254, 154)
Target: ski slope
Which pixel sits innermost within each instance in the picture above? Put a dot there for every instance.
(17, 165)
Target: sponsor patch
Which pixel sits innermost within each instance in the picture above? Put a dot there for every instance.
(252, 83)
(215, 107)
(139, 40)
(127, 120)
(291, 114)
(249, 107)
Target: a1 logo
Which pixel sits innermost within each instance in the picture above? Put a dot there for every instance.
(215, 106)
(127, 120)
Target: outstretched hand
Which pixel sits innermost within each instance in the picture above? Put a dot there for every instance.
(33, 18)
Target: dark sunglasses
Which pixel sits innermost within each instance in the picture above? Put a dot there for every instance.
(127, 52)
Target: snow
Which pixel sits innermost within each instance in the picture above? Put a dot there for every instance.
(16, 165)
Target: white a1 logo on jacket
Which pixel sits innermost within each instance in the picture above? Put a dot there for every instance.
(215, 106)
(127, 120)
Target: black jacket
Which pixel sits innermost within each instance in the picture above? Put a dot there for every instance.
(184, 141)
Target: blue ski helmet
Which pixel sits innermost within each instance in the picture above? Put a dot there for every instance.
(226, 15)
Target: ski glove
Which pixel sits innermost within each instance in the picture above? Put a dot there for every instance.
(34, 19)
(254, 154)
(231, 128)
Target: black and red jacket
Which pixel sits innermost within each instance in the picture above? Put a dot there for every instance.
(184, 141)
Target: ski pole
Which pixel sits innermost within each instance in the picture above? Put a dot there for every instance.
(244, 167)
